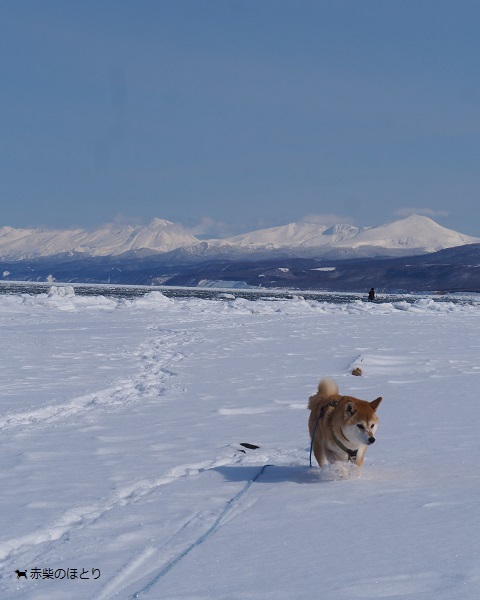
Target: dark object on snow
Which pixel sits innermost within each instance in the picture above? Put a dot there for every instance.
(371, 295)
(249, 446)
(357, 371)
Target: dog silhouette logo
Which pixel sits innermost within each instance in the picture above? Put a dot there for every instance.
(21, 574)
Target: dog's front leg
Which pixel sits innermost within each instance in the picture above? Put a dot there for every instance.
(360, 456)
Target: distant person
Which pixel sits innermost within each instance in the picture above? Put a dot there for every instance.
(371, 295)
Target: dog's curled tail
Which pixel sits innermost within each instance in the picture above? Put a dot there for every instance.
(327, 387)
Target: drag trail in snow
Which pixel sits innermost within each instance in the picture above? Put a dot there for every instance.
(120, 423)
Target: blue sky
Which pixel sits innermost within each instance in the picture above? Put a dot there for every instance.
(231, 115)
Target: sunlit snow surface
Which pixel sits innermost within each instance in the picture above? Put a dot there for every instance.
(121, 420)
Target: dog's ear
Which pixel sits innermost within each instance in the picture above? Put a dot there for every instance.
(375, 403)
(350, 409)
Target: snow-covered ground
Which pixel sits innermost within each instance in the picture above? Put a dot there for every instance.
(122, 475)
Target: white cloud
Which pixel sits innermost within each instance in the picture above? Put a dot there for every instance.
(209, 227)
(426, 212)
(328, 219)
(122, 219)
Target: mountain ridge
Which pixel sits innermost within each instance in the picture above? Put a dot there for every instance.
(413, 235)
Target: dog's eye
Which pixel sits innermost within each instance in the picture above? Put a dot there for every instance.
(360, 426)
(372, 426)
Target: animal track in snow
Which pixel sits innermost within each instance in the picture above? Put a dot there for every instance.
(155, 358)
(79, 517)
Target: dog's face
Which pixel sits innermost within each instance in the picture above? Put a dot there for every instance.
(361, 421)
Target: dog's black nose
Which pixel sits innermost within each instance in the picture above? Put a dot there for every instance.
(371, 440)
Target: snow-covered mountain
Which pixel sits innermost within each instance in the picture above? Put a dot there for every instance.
(111, 240)
(413, 235)
(295, 235)
(414, 232)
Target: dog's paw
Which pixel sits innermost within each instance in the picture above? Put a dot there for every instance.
(339, 470)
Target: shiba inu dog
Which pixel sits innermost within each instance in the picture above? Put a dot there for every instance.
(341, 427)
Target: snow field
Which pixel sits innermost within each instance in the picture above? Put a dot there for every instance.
(120, 424)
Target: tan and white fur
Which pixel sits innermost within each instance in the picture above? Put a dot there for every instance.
(344, 429)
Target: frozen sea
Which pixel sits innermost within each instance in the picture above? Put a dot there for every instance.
(122, 413)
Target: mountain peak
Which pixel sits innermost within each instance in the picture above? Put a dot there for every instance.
(416, 218)
(156, 222)
(415, 232)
